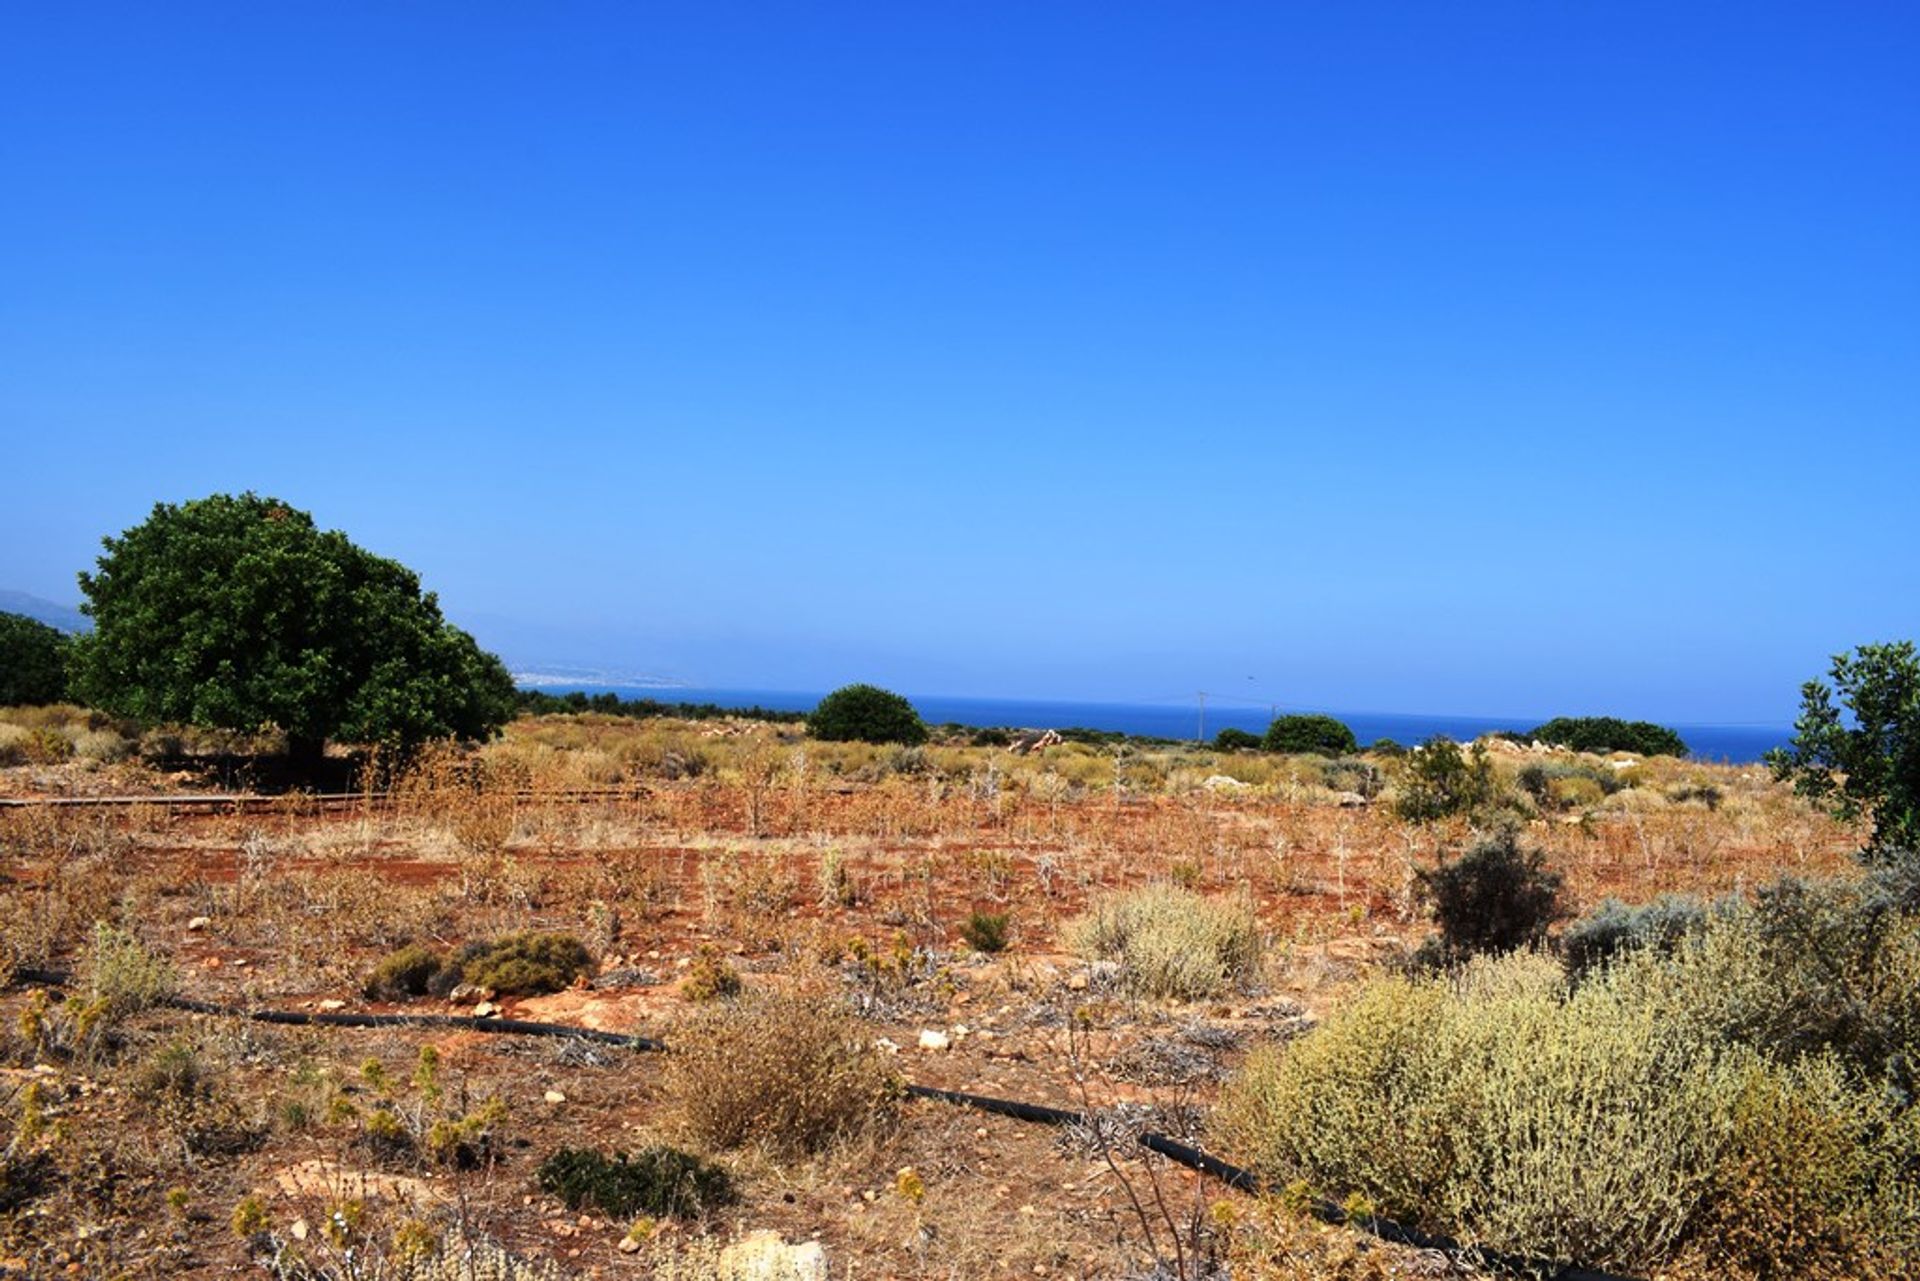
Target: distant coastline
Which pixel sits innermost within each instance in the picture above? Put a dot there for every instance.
(1736, 744)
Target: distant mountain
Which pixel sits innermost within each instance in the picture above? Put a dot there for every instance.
(64, 617)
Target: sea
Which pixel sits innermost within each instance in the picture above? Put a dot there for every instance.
(1737, 744)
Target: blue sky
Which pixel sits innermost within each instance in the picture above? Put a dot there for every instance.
(1502, 359)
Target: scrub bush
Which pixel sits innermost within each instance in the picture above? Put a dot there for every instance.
(1615, 927)
(530, 963)
(1171, 942)
(710, 976)
(785, 1069)
(656, 1180)
(1494, 898)
(1730, 1088)
(1439, 780)
(1235, 740)
(986, 931)
(407, 972)
(1496, 1107)
(524, 964)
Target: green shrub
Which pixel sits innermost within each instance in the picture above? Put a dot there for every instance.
(1171, 942)
(529, 963)
(1494, 898)
(1439, 780)
(405, 973)
(866, 714)
(786, 1069)
(1603, 734)
(524, 964)
(1354, 774)
(710, 976)
(33, 662)
(656, 1181)
(1562, 784)
(1320, 735)
(985, 931)
(1235, 740)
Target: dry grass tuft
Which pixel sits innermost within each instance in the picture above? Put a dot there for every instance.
(791, 1071)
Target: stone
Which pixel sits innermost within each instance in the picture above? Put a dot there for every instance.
(933, 1040)
(199, 923)
(555, 1096)
(332, 1004)
(485, 1010)
(763, 1255)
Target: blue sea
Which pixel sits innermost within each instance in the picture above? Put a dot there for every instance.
(1738, 744)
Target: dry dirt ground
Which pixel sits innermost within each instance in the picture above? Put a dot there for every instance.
(845, 873)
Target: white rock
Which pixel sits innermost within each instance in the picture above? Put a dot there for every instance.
(931, 1039)
(485, 1010)
(199, 923)
(332, 1004)
(299, 1229)
(764, 1256)
(554, 1096)
(886, 1045)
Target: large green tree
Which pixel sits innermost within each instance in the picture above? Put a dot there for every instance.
(239, 612)
(33, 661)
(1864, 762)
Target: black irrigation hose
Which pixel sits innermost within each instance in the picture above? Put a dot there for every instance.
(1039, 1113)
(1036, 1112)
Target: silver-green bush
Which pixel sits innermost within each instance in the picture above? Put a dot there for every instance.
(1738, 1097)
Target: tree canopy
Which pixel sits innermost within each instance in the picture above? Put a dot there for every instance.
(1320, 734)
(1602, 734)
(1865, 762)
(238, 612)
(867, 714)
(33, 661)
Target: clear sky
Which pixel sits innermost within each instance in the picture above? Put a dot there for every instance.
(1480, 358)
